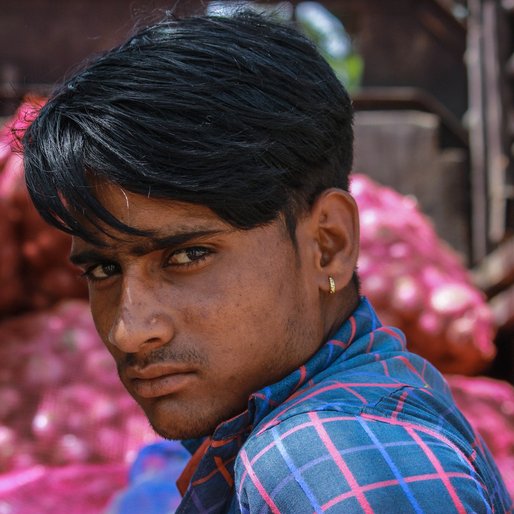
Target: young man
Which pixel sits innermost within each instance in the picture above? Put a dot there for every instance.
(202, 169)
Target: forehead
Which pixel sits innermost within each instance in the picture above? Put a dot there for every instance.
(154, 216)
(136, 210)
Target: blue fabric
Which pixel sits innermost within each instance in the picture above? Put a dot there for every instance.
(152, 477)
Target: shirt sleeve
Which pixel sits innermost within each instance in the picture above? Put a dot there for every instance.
(328, 462)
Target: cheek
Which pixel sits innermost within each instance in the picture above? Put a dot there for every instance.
(244, 298)
(101, 313)
(104, 310)
(243, 315)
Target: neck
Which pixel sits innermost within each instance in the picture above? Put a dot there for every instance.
(338, 309)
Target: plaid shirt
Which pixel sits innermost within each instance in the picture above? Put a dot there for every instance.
(363, 427)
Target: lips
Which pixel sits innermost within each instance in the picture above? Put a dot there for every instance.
(157, 380)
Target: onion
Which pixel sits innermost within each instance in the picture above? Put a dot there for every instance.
(70, 449)
(407, 297)
(8, 445)
(10, 401)
(452, 299)
(417, 282)
(44, 370)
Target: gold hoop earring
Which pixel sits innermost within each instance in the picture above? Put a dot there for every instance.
(331, 285)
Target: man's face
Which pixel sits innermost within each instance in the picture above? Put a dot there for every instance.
(200, 315)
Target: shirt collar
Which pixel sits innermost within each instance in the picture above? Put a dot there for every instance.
(362, 321)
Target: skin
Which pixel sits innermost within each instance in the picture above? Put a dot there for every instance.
(201, 315)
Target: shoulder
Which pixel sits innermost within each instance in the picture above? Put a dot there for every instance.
(319, 460)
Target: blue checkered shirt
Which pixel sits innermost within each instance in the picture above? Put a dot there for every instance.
(363, 427)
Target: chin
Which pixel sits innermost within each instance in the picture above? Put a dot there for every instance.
(180, 433)
(187, 419)
(180, 426)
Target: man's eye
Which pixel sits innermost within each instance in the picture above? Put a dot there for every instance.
(187, 256)
(101, 271)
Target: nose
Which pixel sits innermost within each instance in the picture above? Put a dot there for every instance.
(141, 324)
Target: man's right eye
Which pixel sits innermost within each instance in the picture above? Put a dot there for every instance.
(101, 271)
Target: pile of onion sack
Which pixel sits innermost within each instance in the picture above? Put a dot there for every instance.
(68, 429)
(418, 283)
(489, 406)
(35, 272)
(74, 489)
(62, 406)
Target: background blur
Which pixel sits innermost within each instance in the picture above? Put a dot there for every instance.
(432, 83)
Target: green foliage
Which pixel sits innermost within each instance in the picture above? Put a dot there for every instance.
(332, 40)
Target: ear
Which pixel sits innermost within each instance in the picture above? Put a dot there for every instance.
(335, 220)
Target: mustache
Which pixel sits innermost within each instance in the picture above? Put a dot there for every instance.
(188, 356)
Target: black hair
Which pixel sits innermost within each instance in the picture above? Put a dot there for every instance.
(240, 114)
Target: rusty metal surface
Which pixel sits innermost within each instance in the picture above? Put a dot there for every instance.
(490, 45)
(410, 43)
(43, 40)
(453, 132)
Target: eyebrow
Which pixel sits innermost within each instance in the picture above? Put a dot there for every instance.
(150, 245)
